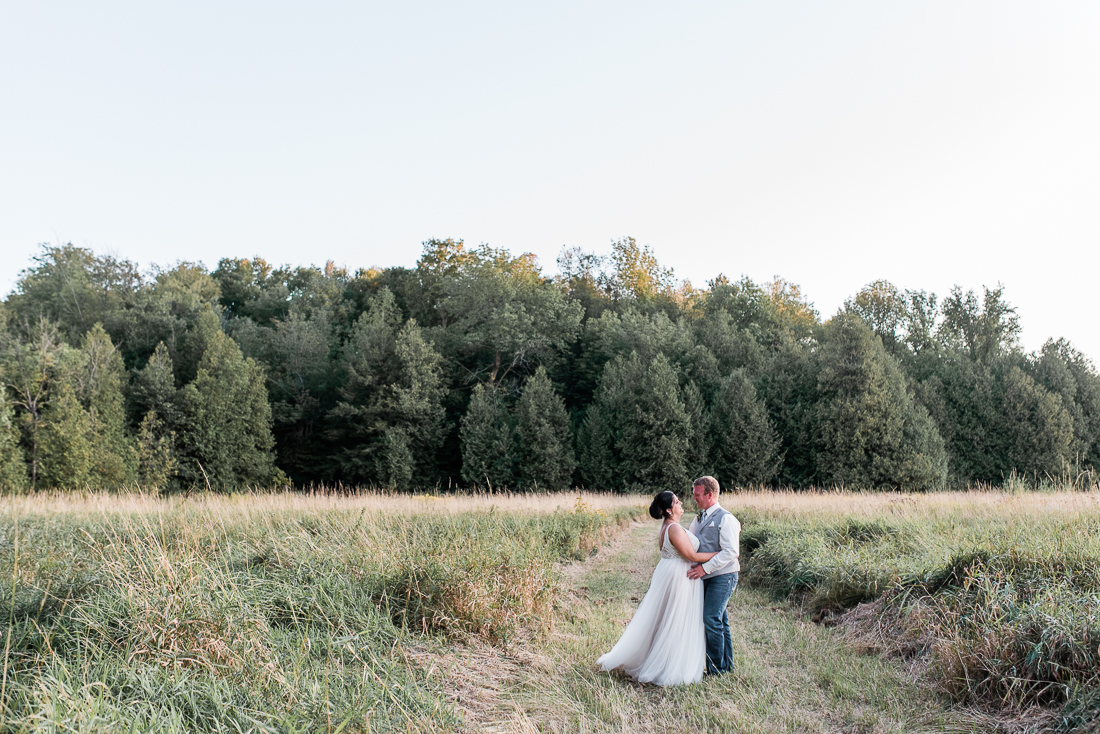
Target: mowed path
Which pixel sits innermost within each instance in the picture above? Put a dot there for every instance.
(791, 675)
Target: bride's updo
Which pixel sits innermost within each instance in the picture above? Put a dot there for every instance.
(661, 504)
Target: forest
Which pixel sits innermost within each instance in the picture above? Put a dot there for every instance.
(473, 369)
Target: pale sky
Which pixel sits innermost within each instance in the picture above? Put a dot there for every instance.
(927, 143)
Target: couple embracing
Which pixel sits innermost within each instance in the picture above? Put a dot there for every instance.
(681, 627)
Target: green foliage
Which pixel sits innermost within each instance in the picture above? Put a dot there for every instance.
(638, 431)
(390, 419)
(74, 288)
(637, 275)
(964, 398)
(543, 447)
(156, 453)
(66, 446)
(228, 443)
(871, 433)
(983, 332)
(101, 380)
(300, 356)
(882, 307)
(746, 447)
(1065, 372)
(500, 316)
(788, 385)
(162, 311)
(1038, 428)
(367, 376)
(13, 469)
(488, 446)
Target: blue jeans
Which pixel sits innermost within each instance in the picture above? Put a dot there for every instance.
(716, 622)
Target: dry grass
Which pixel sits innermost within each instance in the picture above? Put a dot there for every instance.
(992, 595)
(269, 612)
(248, 505)
(885, 505)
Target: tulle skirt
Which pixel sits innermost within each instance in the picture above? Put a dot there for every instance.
(664, 642)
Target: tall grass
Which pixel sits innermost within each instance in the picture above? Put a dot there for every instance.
(267, 612)
(999, 594)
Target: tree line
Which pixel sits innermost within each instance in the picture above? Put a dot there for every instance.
(474, 369)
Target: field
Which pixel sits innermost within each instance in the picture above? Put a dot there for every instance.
(276, 612)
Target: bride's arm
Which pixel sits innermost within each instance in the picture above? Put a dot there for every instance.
(679, 539)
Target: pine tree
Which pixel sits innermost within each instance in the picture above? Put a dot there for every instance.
(746, 446)
(866, 418)
(66, 443)
(13, 470)
(153, 396)
(1039, 429)
(390, 420)
(394, 460)
(228, 441)
(411, 410)
(114, 457)
(699, 440)
(964, 398)
(156, 454)
(543, 442)
(488, 452)
(638, 430)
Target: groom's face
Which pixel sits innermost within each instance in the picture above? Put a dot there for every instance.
(703, 498)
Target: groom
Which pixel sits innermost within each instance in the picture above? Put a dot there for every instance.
(717, 530)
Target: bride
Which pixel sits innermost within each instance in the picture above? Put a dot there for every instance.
(665, 643)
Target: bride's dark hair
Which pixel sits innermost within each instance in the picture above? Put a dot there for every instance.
(661, 504)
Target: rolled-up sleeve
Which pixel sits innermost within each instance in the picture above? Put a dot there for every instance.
(729, 538)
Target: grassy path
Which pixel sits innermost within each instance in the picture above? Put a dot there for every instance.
(791, 675)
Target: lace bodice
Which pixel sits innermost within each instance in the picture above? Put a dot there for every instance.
(668, 550)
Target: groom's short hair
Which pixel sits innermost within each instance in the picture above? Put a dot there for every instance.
(710, 483)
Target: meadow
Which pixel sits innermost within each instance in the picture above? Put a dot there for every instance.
(970, 611)
(275, 612)
(995, 596)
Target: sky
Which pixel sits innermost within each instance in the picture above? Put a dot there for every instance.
(928, 143)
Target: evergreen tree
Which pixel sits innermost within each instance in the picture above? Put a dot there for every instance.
(413, 403)
(154, 389)
(394, 462)
(1067, 373)
(156, 455)
(488, 452)
(544, 443)
(1039, 430)
(963, 396)
(66, 443)
(298, 354)
(390, 419)
(638, 432)
(101, 379)
(698, 455)
(872, 435)
(13, 470)
(746, 447)
(228, 442)
(34, 366)
(788, 385)
(204, 332)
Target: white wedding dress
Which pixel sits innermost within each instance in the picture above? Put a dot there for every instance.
(664, 642)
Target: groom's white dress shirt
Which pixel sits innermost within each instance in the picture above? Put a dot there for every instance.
(729, 533)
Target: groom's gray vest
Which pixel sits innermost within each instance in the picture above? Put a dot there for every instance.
(709, 536)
